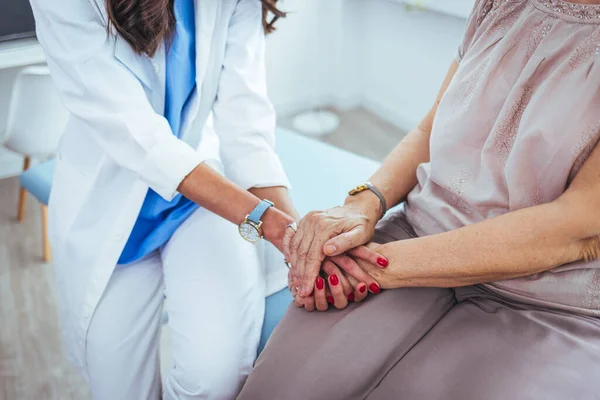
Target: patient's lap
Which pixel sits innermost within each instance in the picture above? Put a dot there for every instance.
(485, 348)
(356, 346)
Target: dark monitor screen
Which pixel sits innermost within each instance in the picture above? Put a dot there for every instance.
(16, 19)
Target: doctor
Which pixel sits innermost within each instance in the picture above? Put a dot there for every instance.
(170, 140)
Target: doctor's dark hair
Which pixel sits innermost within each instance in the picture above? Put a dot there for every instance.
(144, 24)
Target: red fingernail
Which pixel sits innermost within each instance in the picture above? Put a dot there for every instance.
(382, 262)
(320, 283)
(333, 279)
(330, 299)
(374, 288)
(351, 296)
(362, 288)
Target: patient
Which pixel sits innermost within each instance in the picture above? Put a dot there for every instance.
(493, 276)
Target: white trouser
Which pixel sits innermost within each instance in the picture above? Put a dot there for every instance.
(215, 300)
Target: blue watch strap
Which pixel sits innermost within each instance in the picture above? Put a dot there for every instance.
(259, 210)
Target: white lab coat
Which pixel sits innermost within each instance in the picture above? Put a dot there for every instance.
(117, 144)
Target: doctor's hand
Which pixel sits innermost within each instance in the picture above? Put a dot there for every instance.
(274, 227)
(332, 233)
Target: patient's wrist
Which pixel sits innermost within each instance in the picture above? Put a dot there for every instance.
(368, 203)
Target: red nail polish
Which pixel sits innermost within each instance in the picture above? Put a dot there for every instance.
(333, 279)
(320, 283)
(374, 288)
(330, 299)
(362, 288)
(382, 262)
(351, 296)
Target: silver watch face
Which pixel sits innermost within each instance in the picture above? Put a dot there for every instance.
(249, 232)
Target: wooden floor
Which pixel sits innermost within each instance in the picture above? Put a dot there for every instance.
(32, 361)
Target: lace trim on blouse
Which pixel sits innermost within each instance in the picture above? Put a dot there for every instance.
(574, 11)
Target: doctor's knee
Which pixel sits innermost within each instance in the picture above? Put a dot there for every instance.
(207, 377)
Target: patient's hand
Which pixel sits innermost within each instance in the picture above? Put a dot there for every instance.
(335, 286)
(333, 232)
(386, 278)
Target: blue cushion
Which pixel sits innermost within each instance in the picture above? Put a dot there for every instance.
(37, 180)
(275, 308)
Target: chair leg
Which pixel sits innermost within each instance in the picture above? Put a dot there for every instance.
(23, 193)
(47, 253)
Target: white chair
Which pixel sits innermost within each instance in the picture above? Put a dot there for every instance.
(36, 119)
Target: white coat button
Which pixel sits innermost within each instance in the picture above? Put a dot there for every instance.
(118, 237)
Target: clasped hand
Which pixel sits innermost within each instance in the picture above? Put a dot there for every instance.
(325, 253)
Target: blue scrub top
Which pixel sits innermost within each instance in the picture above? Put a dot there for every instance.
(158, 218)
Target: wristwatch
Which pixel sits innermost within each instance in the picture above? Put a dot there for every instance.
(251, 229)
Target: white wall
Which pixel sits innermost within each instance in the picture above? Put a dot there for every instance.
(10, 163)
(406, 56)
(305, 56)
(373, 53)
